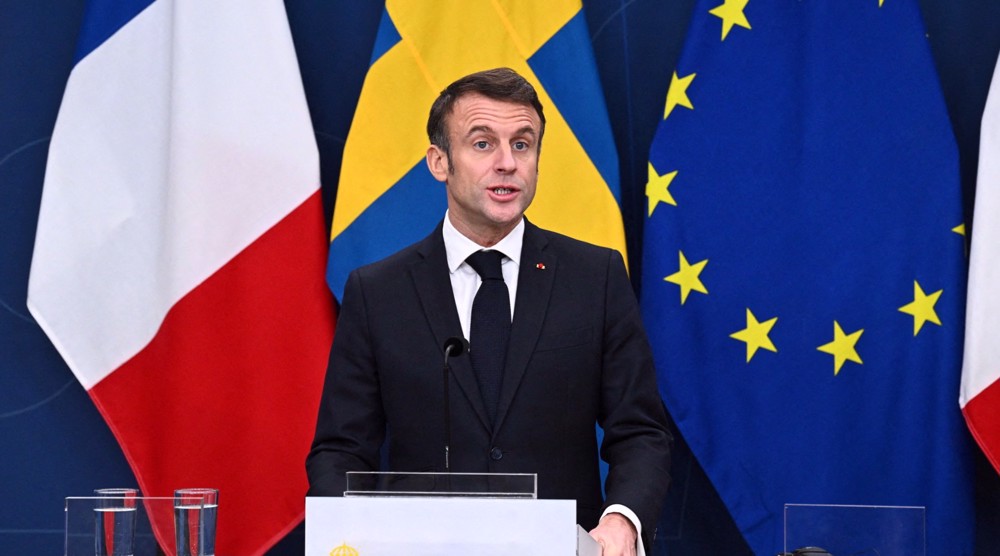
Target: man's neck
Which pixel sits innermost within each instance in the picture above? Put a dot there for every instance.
(483, 238)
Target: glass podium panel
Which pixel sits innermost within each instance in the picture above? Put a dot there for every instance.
(475, 485)
(856, 530)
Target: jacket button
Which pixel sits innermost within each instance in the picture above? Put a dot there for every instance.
(496, 454)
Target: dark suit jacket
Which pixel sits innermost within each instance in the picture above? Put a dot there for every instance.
(577, 355)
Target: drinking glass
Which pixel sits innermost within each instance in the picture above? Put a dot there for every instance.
(195, 511)
(114, 521)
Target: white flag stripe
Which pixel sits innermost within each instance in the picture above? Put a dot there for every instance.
(157, 153)
(981, 364)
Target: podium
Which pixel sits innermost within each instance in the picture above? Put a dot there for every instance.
(434, 514)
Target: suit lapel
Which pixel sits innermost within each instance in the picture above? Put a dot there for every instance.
(534, 286)
(433, 285)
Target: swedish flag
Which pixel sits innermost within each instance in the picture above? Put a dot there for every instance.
(803, 281)
(387, 199)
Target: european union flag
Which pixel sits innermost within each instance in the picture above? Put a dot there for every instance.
(803, 275)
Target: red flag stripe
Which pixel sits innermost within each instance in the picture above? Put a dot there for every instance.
(226, 393)
(982, 414)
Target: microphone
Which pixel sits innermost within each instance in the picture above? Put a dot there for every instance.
(453, 347)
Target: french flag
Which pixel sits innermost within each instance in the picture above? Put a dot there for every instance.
(980, 393)
(180, 254)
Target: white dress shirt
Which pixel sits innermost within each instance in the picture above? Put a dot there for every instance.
(464, 279)
(465, 283)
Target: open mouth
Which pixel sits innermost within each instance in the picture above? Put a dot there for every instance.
(502, 190)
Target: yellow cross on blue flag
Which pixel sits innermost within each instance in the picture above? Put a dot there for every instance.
(803, 265)
(387, 199)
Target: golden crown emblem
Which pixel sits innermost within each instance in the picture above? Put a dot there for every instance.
(344, 550)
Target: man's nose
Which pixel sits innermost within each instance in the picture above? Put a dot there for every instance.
(505, 161)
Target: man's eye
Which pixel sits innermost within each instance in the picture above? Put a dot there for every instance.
(520, 146)
(481, 144)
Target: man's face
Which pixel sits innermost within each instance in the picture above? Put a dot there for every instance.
(494, 159)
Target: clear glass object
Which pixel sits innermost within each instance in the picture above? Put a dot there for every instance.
(83, 529)
(114, 521)
(857, 530)
(195, 513)
(480, 485)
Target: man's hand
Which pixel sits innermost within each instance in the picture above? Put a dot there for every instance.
(616, 535)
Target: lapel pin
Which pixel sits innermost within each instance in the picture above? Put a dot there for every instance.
(540, 266)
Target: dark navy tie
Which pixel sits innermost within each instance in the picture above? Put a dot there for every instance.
(490, 328)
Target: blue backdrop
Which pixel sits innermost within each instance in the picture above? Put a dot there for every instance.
(53, 443)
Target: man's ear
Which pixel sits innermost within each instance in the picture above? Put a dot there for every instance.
(437, 163)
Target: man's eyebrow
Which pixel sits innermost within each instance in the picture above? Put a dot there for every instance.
(526, 130)
(480, 129)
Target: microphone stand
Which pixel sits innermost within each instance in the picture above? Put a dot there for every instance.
(447, 409)
(453, 346)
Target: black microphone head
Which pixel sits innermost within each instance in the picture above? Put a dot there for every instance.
(456, 345)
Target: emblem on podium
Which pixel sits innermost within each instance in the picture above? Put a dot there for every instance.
(344, 550)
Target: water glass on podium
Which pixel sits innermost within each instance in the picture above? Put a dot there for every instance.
(114, 521)
(195, 511)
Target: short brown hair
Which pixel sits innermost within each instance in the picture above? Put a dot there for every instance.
(502, 84)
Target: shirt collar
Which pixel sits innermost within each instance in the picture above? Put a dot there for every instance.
(458, 247)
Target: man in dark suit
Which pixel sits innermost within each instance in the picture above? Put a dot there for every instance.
(557, 343)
